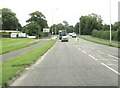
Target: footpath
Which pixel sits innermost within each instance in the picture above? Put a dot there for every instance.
(22, 50)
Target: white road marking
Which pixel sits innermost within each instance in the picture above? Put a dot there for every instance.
(110, 68)
(84, 51)
(92, 57)
(100, 51)
(112, 56)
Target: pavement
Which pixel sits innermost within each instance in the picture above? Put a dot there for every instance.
(73, 63)
(22, 50)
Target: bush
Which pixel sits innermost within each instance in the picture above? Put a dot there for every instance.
(105, 34)
(5, 34)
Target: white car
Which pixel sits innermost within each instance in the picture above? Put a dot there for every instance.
(70, 34)
(64, 39)
(74, 35)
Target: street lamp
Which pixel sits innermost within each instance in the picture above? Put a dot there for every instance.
(79, 28)
(52, 20)
(110, 23)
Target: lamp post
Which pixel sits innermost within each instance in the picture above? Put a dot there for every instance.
(53, 22)
(79, 28)
(52, 25)
(110, 23)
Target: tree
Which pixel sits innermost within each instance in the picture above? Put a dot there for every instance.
(76, 29)
(88, 23)
(36, 23)
(9, 19)
(28, 29)
(105, 27)
(56, 27)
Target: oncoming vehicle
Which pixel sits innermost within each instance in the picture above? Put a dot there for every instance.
(63, 36)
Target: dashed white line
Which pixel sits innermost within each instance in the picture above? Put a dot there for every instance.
(110, 68)
(100, 51)
(112, 56)
(92, 57)
(84, 51)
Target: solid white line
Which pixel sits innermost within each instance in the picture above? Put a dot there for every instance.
(84, 51)
(92, 57)
(100, 51)
(112, 56)
(110, 68)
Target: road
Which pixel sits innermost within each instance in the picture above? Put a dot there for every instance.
(22, 50)
(73, 64)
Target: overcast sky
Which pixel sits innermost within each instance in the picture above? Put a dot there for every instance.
(69, 10)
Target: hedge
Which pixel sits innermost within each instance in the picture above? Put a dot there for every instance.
(105, 34)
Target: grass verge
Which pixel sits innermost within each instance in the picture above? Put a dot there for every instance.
(101, 41)
(14, 66)
(11, 44)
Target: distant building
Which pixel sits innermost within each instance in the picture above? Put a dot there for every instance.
(119, 11)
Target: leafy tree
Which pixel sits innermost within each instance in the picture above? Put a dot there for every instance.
(88, 23)
(65, 26)
(9, 19)
(116, 26)
(36, 23)
(106, 27)
(76, 29)
(29, 29)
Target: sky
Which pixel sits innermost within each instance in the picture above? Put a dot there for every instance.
(57, 11)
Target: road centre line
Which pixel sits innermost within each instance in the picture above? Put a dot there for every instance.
(110, 68)
(84, 51)
(92, 57)
(112, 56)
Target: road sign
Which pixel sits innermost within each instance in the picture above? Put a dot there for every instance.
(46, 30)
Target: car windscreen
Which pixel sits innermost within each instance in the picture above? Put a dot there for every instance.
(63, 33)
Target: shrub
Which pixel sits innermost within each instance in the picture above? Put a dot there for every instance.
(105, 34)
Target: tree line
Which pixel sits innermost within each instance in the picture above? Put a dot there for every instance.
(91, 24)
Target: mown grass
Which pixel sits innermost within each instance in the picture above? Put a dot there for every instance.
(11, 44)
(101, 41)
(14, 66)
